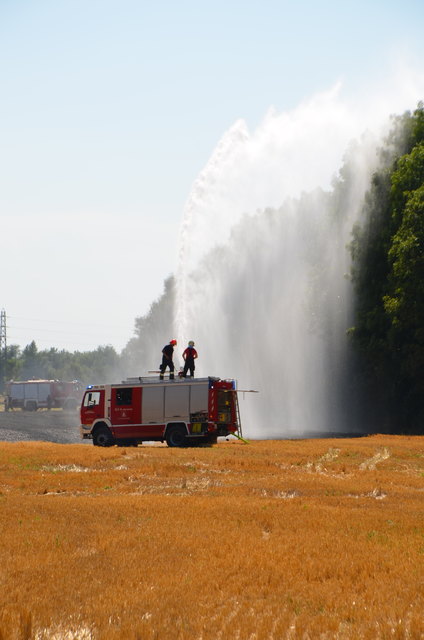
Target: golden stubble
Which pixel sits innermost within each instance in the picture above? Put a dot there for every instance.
(271, 540)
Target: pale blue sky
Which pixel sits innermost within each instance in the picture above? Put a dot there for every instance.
(108, 111)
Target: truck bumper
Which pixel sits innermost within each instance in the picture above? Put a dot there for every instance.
(85, 432)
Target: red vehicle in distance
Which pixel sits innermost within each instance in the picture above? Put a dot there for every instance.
(31, 395)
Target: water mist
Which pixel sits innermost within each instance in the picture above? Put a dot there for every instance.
(261, 282)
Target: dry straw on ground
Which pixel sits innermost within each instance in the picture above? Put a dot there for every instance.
(272, 540)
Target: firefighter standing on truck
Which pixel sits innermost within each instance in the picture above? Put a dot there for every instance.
(167, 355)
(189, 355)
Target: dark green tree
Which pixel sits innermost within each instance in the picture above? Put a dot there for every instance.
(13, 364)
(387, 252)
(404, 306)
(29, 366)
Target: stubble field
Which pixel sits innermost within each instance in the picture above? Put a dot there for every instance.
(271, 540)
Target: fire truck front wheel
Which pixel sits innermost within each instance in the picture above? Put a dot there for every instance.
(176, 436)
(102, 437)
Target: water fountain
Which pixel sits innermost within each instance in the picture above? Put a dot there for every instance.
(261, 282)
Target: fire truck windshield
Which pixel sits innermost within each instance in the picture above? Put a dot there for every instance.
(92, 398)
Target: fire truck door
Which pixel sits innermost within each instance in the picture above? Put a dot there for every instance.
(125, 411)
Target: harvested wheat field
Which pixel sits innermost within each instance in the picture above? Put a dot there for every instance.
(270, 540)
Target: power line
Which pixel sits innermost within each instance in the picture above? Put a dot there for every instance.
(93, 333)
(71, 347)
(81, 324)
(55, 331)
(67, 338)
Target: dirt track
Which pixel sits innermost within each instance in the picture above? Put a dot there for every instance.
(49, 426)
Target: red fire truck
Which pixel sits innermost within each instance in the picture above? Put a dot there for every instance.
(180, 411)
(31, 395)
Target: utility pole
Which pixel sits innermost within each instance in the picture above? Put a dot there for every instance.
(3, 348)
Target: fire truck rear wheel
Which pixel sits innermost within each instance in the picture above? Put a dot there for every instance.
(176, 436)
(102, 437)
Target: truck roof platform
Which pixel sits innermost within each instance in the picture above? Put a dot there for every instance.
(177, 380)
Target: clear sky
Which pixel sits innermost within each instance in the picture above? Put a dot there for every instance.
(109, 109)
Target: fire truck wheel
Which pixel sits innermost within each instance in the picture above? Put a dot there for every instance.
(102, 437)
(176, 436)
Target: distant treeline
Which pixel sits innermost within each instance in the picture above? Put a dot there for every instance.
(97, 366)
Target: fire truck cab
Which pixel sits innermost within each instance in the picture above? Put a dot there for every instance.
(180, 411)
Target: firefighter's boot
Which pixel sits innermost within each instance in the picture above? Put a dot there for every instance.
(171, 376)
(161, 376)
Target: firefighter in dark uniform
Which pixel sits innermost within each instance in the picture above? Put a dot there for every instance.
(167, 355)
(189, 355)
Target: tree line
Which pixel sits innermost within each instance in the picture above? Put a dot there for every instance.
(388, 276)
(90, 367)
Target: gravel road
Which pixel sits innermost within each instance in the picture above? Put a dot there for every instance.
(48, 426)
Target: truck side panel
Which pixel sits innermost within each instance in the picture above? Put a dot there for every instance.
(31, 391)
(177, 402)
(43, 393)
(153, 408)
(199, 398)
(152, 412)
(17, 391)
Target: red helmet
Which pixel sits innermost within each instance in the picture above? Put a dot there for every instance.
(173, 342)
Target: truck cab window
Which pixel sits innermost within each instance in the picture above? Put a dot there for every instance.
(92, 398)
(123, 397)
